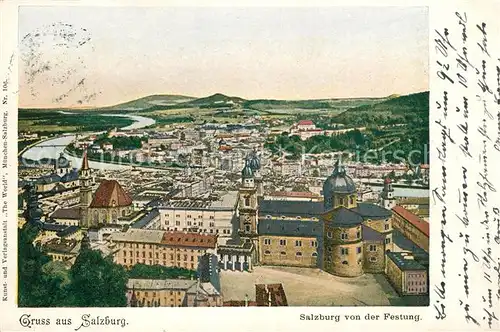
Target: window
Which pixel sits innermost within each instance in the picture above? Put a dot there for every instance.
(177, 215)
(345, 263)
(189, 223)
(329, 234)
(298, 243)
(124, 253)
(247, 228)
(124, 261)
(298, 254)
(211, 217)
(150, 255)
(247, 201)
(386, 226)
(282, 242)
(267, 252)
(192, 259)
(315, 254)
(185, 257)
(143, 254)
(373, 247)
(344, 251)
(344, 236)
(268, 217)
(267, 241)
(351, 200)
(283, 217)
(358, 234)
(388, 240)
(358, 250)
(298, 218)
(314, 244)
(283, 253)
(211, 224)
(373, 259)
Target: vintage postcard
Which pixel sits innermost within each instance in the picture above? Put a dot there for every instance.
(230, 157)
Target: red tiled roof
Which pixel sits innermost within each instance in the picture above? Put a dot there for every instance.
(424, 166)
(273, 292)
(110, 194)
(225, 148)
(189, 239)
(419, 223)
(305, 123)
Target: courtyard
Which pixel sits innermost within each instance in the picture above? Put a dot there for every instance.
(311, 287)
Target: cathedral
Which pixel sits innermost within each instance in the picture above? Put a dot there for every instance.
(109, 202)
(338, 235)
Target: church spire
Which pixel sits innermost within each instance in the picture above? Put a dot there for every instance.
(85, 160)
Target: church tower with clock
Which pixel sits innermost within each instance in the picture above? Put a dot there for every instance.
(247, 207)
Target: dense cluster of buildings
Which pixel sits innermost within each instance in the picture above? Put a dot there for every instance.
(229, 213)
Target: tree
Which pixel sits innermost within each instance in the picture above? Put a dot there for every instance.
(31, 288)
(143, 271)
(97, 281)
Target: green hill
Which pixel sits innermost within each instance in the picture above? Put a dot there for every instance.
(214, 101)
(409, 109)
(147, 102)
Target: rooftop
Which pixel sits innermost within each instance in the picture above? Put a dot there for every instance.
(405, 261)
(416, 221)
(158, 284)
(67, 213)
(270, 295)
(110, 194)
(290, 208)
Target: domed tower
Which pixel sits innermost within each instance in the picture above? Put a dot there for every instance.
(387, 199)
(254, 163)
(247, 207)
(342, 236)
(339, 190)
(62, 165)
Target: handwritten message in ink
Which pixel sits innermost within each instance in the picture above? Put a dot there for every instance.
(465, 185)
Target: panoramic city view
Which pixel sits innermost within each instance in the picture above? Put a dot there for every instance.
(223, 157)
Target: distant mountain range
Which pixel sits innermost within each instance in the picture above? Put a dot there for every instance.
(218, 100)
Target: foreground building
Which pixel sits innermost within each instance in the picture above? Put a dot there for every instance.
(266, 295)
(153, 247)
(338, 234)
(406, 275)
(172, 293)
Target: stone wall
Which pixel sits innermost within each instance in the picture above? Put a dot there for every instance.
(374, 261)
(273, 251)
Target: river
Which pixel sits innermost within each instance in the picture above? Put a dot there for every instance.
(54, 147)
